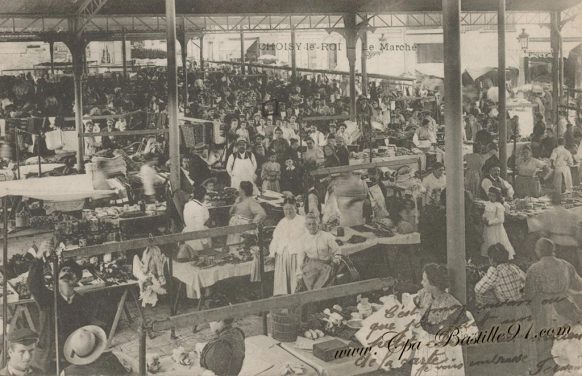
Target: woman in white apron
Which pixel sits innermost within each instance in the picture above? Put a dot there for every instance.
(196, 216)
(246, 210)
(241, 165)
(286, 248)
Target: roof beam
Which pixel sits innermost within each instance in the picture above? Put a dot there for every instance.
(86, 12)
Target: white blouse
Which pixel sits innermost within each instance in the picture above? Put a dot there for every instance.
(288, 235)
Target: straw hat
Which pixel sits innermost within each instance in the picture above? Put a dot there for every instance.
(85, 345)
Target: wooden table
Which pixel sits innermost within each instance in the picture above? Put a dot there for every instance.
(20, 309)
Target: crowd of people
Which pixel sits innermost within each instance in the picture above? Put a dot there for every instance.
(264, 141)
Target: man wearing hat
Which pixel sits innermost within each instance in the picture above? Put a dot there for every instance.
(241, 165)
(21, 346)
(85, 348)
(494, 179)
(74, 310)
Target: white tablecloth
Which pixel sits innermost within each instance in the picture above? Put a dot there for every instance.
(196, 279)
(373, 240)
(413, 166)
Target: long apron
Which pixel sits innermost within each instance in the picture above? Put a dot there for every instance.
(243, 170)
(285, 279)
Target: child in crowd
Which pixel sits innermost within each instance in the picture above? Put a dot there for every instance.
(271, 174)
(291, 178)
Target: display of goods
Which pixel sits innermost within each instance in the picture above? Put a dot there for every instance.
(334, 318)
(226, 196)
(116, 271)
(88, 279)
(22, 290)
(18, 264)
(42, 221)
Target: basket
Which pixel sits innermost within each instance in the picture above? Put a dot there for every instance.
(285, 325)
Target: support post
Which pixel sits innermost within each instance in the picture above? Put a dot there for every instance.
(124, 53)
(142, 331)
(293, 56)
(174, 132)
(77, 48)
(55, 260)
(262, 248)
(5, 285)
(561, 66)
(455, 198)
(364, 62)
(202, 51)
(242, 52)
(351, 37)
(184, 54)
(501, 79)
(555, 43)
(52, 53)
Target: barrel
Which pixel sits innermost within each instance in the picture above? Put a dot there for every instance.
(285, 325)
(21, 220)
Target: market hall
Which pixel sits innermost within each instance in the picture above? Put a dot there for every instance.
(297, 211)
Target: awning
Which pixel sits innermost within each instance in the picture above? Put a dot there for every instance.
(431, 69)
(54, 188)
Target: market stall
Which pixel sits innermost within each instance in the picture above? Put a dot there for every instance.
(62, 189)
(523, 211)
(281, 304)
(214, 266)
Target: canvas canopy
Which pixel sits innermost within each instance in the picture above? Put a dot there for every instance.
(54, 188)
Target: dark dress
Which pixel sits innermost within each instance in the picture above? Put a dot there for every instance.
(281, 147)
(343, 155)
(483, 137)
(291, 180)
(491, 162)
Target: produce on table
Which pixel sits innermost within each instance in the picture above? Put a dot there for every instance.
(181, 356)
(289, 370)
(313, 334)
(153, 363)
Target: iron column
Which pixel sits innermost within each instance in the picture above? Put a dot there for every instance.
(174, 133)
(455, 211)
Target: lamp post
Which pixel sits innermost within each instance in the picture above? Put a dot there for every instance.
(523, 39)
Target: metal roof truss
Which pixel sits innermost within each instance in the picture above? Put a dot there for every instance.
(99, 27)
